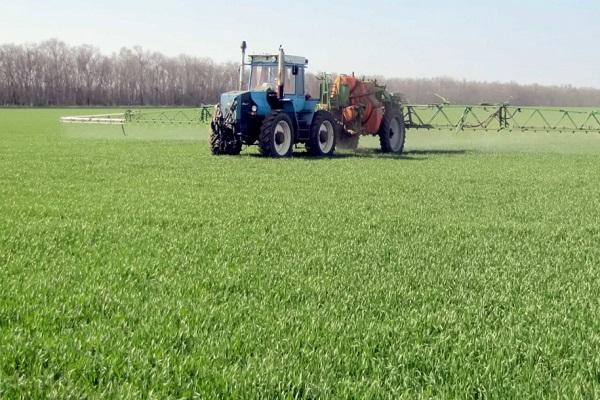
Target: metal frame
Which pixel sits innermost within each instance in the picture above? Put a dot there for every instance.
(419, 117)
(192, 116)
(195, 116)
(500, 118)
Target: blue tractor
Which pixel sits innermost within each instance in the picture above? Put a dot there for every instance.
(272, 111)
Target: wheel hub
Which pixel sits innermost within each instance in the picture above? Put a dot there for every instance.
(323, 136)
(279, 137)
(282, 138)
(395, 135)
(326, 137)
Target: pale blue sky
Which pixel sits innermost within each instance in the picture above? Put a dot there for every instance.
(549, 42)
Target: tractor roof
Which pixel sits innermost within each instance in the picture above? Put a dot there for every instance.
(272, 59)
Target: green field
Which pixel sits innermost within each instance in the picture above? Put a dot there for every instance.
(144, 267)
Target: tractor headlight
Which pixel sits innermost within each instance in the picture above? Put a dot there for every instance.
(254, 109)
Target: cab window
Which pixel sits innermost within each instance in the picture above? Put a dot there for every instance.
(265, 77)
(290, 81)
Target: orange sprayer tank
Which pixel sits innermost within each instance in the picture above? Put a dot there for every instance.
(362, 103)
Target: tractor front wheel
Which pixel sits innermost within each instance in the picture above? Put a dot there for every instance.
(322, 135)
(216, 147)
(219, 145)
(392, 132)
(276, 138)
(222, 139)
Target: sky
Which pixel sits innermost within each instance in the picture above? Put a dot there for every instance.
(528, 41)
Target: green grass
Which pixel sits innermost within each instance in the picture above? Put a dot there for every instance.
(132, 268)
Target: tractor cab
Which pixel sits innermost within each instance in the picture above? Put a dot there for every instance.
(264, 76)
(276, 82)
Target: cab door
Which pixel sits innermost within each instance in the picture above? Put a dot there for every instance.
(294, 86)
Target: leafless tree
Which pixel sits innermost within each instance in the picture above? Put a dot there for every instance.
(52, 73)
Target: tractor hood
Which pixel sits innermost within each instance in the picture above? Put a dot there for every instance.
(228, 98)
(246, 100)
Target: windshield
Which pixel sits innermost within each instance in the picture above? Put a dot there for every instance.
(265, 77)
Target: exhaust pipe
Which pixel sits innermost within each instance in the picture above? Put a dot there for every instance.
(281, 73)
(243, 47)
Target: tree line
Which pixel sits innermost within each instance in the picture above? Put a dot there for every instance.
(428, 91)
(53, 73)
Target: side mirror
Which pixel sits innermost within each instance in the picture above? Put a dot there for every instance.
(295, 70)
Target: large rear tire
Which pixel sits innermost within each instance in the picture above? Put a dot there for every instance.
(392, 133)
(276, 138)
(322, 135)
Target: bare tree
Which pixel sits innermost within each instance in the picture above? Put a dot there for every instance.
(53, 73)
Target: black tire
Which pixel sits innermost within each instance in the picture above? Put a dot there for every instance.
(220, 146)
(216, 144)
(233, 148)
(222, 140)
(275, 140)
(323, 132)
(392, 125)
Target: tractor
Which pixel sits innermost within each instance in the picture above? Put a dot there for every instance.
(274, 111)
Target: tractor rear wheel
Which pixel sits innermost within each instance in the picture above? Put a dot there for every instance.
(322, 135)
(392, 132)
(276, 138)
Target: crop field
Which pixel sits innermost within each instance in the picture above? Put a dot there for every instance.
(140, 266)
